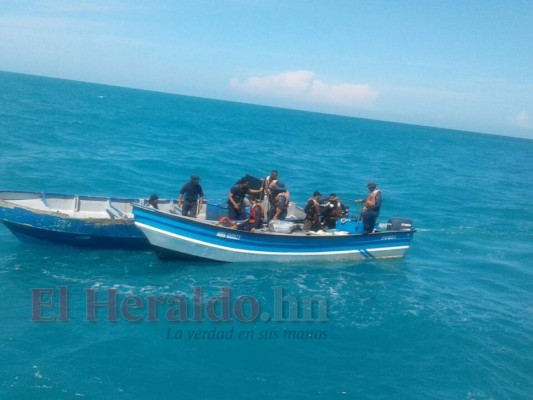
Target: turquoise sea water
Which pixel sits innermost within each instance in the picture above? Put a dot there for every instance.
(453, 320)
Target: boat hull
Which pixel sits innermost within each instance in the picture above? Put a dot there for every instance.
(86, 237)
(182, 237)
(41, 225)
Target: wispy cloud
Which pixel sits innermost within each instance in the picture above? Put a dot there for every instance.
(304, 86)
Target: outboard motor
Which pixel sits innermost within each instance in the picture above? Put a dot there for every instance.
(399, 224)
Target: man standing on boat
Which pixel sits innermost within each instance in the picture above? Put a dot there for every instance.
(191, 197)
(332, 212)
(237, 193)
(268, 187)
(371, 208)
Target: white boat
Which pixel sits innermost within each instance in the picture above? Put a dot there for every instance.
(188, 238)
(88, 221)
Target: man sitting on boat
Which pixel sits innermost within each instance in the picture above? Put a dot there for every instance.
(371, 207)
(257, 216)
(281, 202)
(152, 202)
(191, 197)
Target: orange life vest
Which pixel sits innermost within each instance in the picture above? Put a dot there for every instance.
(371, 199)
(253, 213)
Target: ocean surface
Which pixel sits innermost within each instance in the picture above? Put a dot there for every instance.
(452, 320)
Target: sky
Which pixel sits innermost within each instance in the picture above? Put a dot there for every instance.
(462, 64)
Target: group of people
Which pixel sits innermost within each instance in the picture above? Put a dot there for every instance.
(323, 215)
(272, 189)
(318, 215)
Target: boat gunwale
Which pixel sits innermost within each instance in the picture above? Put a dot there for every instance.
(13, 204)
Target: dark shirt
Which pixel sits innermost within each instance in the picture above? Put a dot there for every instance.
(191, 192)
(238, 193)
(331, 212)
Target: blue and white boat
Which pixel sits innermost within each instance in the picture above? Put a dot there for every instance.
(86, 221)
(188, 238)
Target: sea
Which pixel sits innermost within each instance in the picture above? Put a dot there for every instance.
(453, 319)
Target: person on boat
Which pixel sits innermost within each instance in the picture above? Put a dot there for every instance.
(236, 196)
(152, 201)
(333, 210)
(312, 213)
(371, 207)
(268, 184)
(191, 197)
(281, 202)
(257, 216)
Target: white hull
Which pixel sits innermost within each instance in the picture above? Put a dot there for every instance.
(201, 249)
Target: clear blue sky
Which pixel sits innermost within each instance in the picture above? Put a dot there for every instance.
(464, 64)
